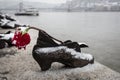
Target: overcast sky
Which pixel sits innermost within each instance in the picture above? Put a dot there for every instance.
(48, 1)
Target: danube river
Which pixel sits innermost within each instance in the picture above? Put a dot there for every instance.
(100, 30)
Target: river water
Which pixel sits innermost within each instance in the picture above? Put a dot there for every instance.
(100, 30)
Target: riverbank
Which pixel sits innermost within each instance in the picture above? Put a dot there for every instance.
(22, 66)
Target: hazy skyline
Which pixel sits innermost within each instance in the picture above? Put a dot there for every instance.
(45, 1)
(48, 1)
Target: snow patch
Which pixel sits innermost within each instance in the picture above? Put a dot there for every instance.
(80, 43)
(7, 36)
(77, 55)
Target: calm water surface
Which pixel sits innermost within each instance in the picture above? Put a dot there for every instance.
(100, 30)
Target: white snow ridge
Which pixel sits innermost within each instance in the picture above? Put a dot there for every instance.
(77, 55)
